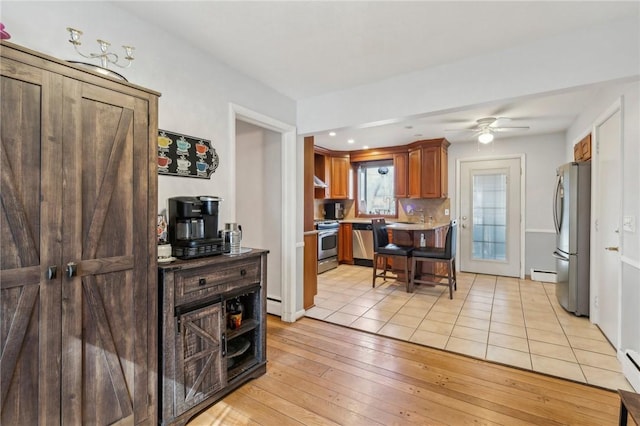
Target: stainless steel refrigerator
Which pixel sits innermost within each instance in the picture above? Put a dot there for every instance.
(572, 218)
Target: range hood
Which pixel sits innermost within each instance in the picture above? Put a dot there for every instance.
(318, 183)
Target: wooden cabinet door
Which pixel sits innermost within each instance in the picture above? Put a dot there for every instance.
(430, 179)
(106, 304)
(30, 229)
(345, 243)
(401, 169)
(415, 173)
(339, 182)
(199, 360)
(444, 172)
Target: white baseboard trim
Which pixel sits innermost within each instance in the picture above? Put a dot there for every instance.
(274, 307)
(300, 314)
(630, 368)
(630, 262)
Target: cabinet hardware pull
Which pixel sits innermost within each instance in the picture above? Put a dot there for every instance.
(52, 272)
(611, 248)
(202, 281)
(243, 272)
(72, 269)
(224, 344)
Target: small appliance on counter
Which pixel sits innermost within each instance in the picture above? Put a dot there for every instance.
(232, 235)
(334, 210)
(193, 227)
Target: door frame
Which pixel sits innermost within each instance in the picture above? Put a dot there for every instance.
(523, 175)
(595, 201)
(286, 308)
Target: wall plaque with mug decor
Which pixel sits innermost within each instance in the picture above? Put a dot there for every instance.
(188, 156)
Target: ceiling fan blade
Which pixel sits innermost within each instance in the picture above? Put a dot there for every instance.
(508, 129)
(461, 130)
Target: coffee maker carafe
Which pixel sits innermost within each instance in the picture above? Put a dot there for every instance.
(193, 227)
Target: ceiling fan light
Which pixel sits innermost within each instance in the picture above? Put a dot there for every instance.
(485, 137)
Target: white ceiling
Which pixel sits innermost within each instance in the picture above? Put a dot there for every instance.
(308, 48)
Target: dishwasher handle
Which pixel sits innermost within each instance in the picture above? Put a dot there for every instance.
(362, 227)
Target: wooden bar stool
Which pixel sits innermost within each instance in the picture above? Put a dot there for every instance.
(438, 255)
(383, 249)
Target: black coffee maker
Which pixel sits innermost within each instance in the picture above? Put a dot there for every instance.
(193, 227)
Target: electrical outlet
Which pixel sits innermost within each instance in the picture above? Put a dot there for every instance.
(446, 212)
(629, 223)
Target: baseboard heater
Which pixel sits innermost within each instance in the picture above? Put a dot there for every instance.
(544, 276)
(631, 368)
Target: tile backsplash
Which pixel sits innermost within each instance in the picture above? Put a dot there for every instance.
(408, 209)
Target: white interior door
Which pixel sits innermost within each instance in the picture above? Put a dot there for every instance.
(490, 217)
(606, 254)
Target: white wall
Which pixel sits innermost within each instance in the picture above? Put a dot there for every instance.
(554, 64)
(259, 196)
(543, 153)
(630, 241)
(196, 89)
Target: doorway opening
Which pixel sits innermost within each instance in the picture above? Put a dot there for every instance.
(264, 141)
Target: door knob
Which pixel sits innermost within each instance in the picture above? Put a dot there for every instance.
(464, 218)
(611, 248)
(464, 226)
(72, 269)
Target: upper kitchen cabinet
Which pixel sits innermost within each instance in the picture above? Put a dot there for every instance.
(79, 282)
(401, 170)
(333, 169)
(428, 169)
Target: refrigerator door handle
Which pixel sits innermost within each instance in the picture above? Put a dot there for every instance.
(560, 256)
(557, 218)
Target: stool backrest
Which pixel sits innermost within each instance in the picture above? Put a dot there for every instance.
(450, 241)
(380, 235)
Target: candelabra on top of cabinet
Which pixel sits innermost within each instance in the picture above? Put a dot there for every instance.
(105, 56)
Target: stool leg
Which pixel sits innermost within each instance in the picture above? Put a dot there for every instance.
(375, 263)
(451, 282)
(455, 279)
(407, 277)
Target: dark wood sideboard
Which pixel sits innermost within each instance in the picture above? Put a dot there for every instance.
(203, 356)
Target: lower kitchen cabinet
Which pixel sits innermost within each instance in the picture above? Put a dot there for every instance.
(345, 243)
(213, 330)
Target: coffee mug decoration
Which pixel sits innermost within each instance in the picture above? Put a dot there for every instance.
(188, 156)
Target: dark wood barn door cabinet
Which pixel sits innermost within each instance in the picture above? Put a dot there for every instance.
(78, 270)
(204, 356)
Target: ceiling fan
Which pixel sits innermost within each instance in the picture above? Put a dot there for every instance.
(486, 127)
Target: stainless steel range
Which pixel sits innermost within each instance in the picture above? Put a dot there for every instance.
(327, 245)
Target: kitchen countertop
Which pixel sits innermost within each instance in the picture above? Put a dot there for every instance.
(400, 225)
(416, 226)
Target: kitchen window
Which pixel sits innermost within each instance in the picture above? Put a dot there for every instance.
(376, 188)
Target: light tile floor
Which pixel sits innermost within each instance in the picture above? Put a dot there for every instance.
(506, 320)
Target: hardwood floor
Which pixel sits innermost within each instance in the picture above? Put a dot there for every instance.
(323, 374)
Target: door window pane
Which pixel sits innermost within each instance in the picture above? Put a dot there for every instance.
(489, 216)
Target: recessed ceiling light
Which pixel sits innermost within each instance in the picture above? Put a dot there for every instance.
(408, 127)
(332, 133)
(351, 141)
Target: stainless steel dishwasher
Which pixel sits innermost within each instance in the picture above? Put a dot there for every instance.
(362, 244)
